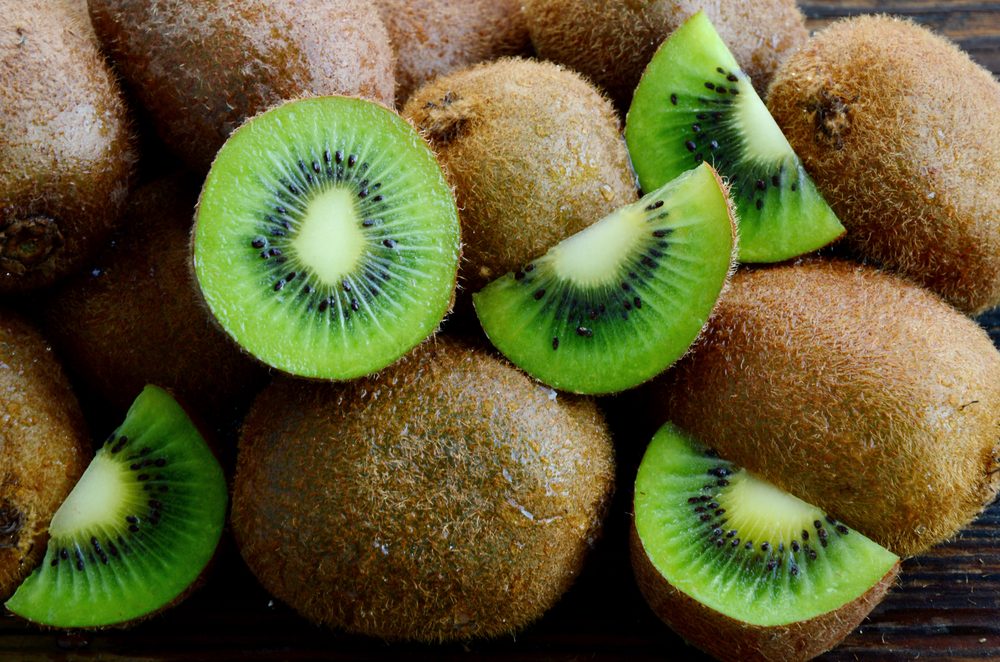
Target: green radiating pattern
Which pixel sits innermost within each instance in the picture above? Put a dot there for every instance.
(695, 105)
(173, 498)
(610, 335)
(253, 205)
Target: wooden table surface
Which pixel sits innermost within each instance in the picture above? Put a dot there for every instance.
(947, 604)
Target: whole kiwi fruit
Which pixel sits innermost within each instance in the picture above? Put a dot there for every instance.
(612, 41)
(898, 128)
(201, 68)
(66, 153)
(136, 318)
(434, 37)
(450, 497)
(535, 154)
(853, 390)
(42, 446)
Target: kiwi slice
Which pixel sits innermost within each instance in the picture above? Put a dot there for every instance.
(137, 530)
(694, 104)
(326, 241)
(741, 568)
(615, 304)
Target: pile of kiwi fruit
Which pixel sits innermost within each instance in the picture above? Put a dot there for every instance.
(362, 270)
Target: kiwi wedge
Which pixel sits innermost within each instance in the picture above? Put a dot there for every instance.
(138, 528)
(326, 240)
(742, 569)
(615, 304)
(693, 105)
(449, 497)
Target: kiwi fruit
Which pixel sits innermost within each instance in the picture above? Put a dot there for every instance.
(326, 241)
(434, 37)
(201, 68)
(137, 530)
(853, 390)
(42, 446)
(616, 304)
(694, 105)
(448, 498)
(135, 317)
(534, 152)
(898, 128)
(612, 41)
(742, 569)
(67, 152)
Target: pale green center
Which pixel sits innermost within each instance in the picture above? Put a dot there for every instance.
(595, 255)
(94, 501)
(764, 139)
(329, 241)
(761, 511)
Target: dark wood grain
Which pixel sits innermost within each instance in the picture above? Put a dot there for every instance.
(946, 605)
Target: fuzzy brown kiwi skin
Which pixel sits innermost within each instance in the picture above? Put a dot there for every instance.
(853, 390)
(43, 447)
(403, 514)
(897, 127)
(67, 152)
(136, 317)
(727, 639)
(201, 68)
(534, 152)
(611, 42)
(435, 37)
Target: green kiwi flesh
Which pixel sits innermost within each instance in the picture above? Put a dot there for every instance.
(137, 530)
(755, 558)
(694, 104)
(326, 240)
(615, 304)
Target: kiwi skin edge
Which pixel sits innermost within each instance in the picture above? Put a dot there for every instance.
(728, 639)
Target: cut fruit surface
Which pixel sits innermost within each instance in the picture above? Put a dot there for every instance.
(740, 546)
(326, 241)
(138, 528)
(617, 303)
(695, 105)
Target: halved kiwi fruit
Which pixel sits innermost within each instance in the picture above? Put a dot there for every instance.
(741, 568)
(326, 241)
(137, 530)
(695, 105)
(617, 303)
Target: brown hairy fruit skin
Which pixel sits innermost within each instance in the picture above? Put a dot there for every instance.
(448, 498)
(42, 447)
(853, 390)
(435, 37)
(726, 638)
(611, 42)
(534, 152)
(897, 126)
(201, 68)
(66, 153)
(136, 318)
